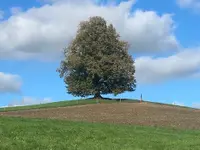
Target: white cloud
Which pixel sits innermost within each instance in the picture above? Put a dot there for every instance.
(146, 31)
(15, 10)
(30, 101)
(42, 32)
(183, 64)
(196, 105)
(1, 14)
(191, 4)
(178, 103)
(9, 83)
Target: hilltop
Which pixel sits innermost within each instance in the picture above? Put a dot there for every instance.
(109, 111)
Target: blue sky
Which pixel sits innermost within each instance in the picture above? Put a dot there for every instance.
(163, 35)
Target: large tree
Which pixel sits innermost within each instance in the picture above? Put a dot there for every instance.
(97, 62)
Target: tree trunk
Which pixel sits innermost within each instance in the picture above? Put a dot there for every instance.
(98, 96)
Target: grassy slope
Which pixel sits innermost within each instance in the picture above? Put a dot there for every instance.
(43, 134)
(60, 104)
(72, 103)
(25, 134)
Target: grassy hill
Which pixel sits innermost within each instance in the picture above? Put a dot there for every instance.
(45, 134)
(76, 102)
(111, 125)
(64, 104)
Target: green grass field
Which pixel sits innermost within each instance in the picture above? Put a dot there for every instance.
(43, 134)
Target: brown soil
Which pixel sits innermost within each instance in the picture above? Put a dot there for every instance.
(122, 113)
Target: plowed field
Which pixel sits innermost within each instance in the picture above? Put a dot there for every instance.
(122, 113)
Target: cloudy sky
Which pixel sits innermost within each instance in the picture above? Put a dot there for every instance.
(163, 35)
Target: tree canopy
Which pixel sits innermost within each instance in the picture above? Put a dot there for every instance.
(97, 62)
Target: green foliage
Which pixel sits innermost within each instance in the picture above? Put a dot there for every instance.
(97, 61)
(44, 134)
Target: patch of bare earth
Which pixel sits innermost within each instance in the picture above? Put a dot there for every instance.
(122, 113)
